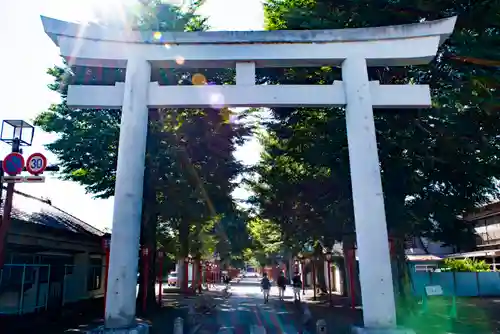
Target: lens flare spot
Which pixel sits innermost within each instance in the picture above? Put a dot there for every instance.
(157, 35)
(199, 79)
(166, 45)
(180, 60)
(217, 100)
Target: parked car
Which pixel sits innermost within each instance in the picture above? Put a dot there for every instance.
(172, 279)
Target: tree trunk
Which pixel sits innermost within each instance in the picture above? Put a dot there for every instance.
(401, 275)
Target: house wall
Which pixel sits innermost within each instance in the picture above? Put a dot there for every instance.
(424, 246)
(38, 289)
(48, 268)
(486, 221)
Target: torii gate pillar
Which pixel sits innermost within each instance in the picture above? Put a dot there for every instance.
(352, 49)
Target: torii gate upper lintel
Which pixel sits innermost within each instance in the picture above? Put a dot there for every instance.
(353, 49)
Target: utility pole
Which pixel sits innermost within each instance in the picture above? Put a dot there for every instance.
(1, 186)
(16, 133)
(7, 208)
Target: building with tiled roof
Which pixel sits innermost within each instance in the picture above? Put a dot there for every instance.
(52, 258)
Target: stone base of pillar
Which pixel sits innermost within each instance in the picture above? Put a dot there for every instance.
(360, 330)
(139, 328)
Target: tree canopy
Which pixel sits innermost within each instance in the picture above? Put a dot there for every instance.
(436, 163)
(190, 165)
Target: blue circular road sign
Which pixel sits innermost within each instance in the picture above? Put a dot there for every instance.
(13, 163)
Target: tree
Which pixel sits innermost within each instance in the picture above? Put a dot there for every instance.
(464, 265)
(436, 163)
(266, 239)
(189, 161)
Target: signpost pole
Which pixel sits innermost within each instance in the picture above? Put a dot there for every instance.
(1, 184)
(106, 239)
(7, 209)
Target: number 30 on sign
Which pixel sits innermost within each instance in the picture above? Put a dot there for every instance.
(36, 164)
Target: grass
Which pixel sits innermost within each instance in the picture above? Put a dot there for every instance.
(472, 315)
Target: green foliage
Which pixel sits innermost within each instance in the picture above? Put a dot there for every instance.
(265, 235)
(190, 166)
(464, 265)
(266, 242)
(436, 163)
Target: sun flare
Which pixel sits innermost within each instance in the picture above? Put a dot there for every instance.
(109, 9)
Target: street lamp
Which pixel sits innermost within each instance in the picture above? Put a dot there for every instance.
(17, 133)
(211, 277)
(161, 255)
(217, 273)
(187, 261)
(315, 260)
(328, 256)
(301, 259)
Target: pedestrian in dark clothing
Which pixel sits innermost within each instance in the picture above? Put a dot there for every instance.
(265, 283)
(297, 285)
(281, 285)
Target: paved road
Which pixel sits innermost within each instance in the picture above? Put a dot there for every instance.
(244, 312)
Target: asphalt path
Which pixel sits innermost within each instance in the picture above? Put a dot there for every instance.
(244, 311)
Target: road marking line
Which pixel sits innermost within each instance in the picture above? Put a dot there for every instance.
(227, 330)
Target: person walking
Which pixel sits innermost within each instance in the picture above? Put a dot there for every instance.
(297, 285)
(281, 285)
(265, 283)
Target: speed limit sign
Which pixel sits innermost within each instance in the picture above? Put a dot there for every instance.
(36, 163)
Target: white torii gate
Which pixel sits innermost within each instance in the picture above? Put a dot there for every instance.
(352, 49)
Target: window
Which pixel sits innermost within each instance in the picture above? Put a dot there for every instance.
(425, 267)
(94, 276)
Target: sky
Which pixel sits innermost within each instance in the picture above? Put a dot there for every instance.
(27, 54)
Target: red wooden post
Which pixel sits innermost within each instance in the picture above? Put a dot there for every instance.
(145, 259)
(314, 278)
(392, 246)
(206, 277)
(303, 278)
(329, 280)
(106, 243)
(212, 277)
(352, 258)
(185, 283)
(193, 275)
(160, 277)
(200, 275)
